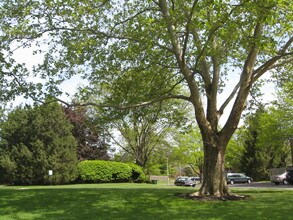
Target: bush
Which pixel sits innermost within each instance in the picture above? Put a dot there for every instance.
(121, 172)
(137, 175)
(99, 171)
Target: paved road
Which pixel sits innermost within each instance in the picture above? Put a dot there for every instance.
(255, 185)
(268, 185)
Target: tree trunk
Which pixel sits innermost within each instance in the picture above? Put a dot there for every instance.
(214, 176)
(291, 146)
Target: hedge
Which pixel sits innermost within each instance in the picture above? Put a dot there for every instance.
(99, 171)
(138, 175)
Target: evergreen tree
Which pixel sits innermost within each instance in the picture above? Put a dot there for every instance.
(250, 163)
(264, 142)
(35, 140)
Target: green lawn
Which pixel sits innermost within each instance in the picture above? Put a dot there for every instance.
(136, 201)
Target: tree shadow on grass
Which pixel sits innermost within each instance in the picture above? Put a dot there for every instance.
(134, 203)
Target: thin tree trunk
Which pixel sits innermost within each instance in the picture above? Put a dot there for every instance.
(291, 145)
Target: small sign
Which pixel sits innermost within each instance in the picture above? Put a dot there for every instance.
(50, 172)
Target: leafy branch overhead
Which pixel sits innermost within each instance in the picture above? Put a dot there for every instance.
(203, 38)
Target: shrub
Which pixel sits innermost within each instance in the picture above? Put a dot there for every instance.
(121, 172)
(99, 171)
(137, 175)
(93, 171)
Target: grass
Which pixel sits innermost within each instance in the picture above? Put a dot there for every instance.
(136, 201)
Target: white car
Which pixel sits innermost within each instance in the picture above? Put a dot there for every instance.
(184, 181)
(280, 178)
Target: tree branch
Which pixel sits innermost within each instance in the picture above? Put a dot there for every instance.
(189, 17)
(195, 96)
(270, 64)
(228, 100)
(245, 83)
(134, 16)
(123, 107)
(289, 60)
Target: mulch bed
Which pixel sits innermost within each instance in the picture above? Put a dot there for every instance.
(232, 197)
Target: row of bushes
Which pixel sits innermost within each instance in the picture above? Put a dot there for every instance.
(88, 171)
(99, 171)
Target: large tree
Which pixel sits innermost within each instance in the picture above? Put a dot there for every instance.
(190, 43)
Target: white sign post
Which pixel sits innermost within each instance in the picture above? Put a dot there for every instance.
(50, 173)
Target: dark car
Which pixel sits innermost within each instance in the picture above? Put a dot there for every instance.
(195, 178)
(238, 178)
(280, 178)
(289, 176)
(184, 181)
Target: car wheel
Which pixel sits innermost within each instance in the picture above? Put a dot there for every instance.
(285, 182)
(231, 182)
(277, 183)
(249, 181)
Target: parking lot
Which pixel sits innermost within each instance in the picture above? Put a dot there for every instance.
(268, 184)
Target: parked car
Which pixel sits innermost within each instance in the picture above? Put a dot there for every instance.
(280, 178)
(238, 178)
(184, 181)
(195, 178)
(289, 176)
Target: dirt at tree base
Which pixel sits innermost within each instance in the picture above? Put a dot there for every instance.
(195, 196)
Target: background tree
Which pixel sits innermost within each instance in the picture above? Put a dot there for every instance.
(253, 158)
(264, 142)
(284, 107)
(188, 150)
(136, 132)
(35, 140)
(235, 150)
(187, 43)
(161, 162)
(144, 130)
(275, 132)
(91, 143)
